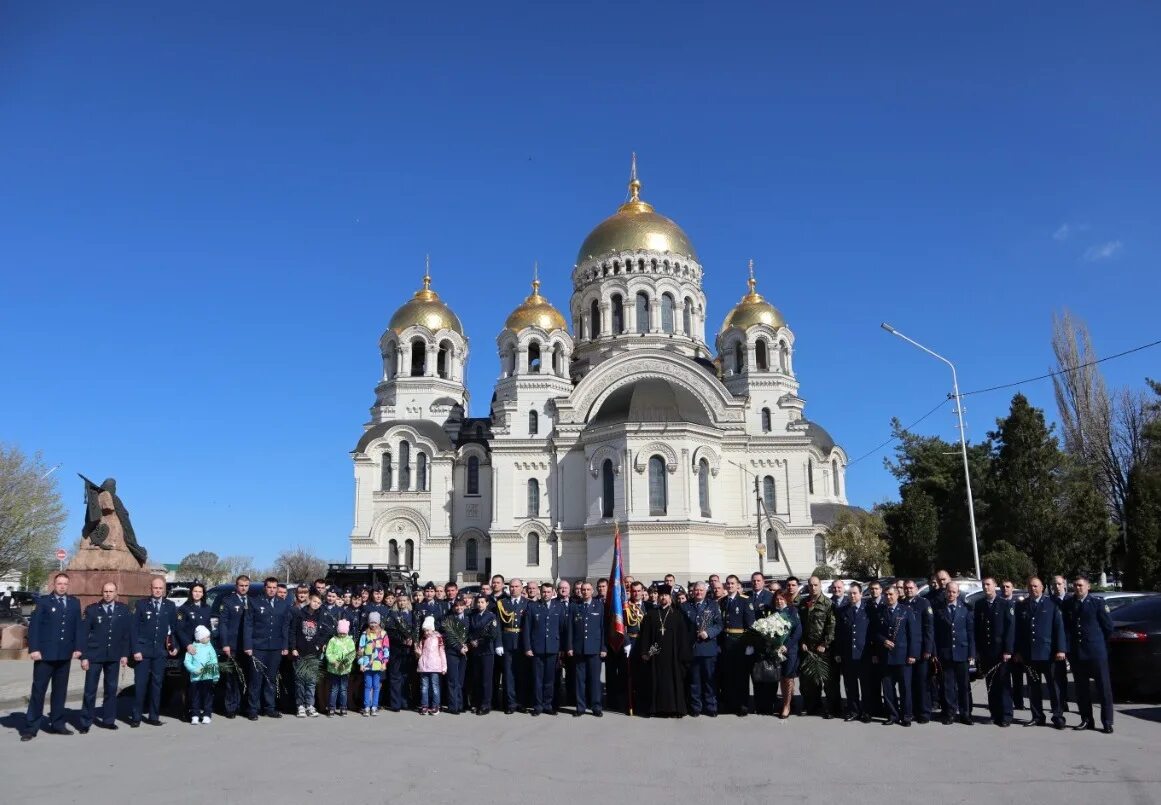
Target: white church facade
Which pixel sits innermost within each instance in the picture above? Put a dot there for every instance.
(701, 455)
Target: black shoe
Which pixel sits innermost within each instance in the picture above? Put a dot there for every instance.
(906, 722)
(59, 731)
(966, 721)
(508, 711)
(694, 714)
(849, 717)
(252, 717)
(485, 710)
(923, 720)
(599, 713)
(711, 713)
(890, 721)
(827, 716)
(274, 714)
(27, 736)
(1004, 723)
(577, 714)
(537, 712)
(231, 716)
(1058, 723)
(1085, 725)
(104, 726)
(1035, 722)
(743, 713)
(83, 730)
(1107, 729)
(552, 712)
(134, 724)
(153, 722)
(948, 721)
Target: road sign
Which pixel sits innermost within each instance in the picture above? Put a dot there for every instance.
(61, 553)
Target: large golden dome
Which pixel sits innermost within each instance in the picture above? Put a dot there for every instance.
(635, 226)
(536, 311)
(753, 309)
(427, 310)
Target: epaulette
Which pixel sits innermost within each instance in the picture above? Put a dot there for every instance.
(742, 595)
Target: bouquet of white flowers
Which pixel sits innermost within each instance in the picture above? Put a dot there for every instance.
(768, 636)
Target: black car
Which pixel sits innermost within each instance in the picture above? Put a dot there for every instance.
(391, 577)
(1135, 649)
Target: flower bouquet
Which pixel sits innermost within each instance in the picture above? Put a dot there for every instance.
(768, 637)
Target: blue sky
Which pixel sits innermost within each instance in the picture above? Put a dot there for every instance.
(210, 211)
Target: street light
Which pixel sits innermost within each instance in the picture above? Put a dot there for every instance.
(962, 438)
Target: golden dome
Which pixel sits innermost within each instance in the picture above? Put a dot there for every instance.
(753, 309)
(427, 310)
(536, 311)
(635, 226)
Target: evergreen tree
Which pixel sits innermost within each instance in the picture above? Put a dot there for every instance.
(1005, 561)
(1143, 507)
(912, 531)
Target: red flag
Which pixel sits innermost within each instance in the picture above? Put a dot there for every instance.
(615, 601)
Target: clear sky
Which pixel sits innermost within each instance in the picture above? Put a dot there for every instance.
(209, 212)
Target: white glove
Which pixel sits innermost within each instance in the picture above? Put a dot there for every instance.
(749, 650)
(628, 650)
(499, 651)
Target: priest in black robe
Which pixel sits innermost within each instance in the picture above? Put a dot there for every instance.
(665, 651)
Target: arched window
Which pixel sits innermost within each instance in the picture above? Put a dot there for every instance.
(703, 475)
(473, 475)
(385, 472)
(534, 356)
(533, 549)
(595, 318)
(834, 471)
(760, 356)
(739, 358)
(618, 314)
(658, 497)
(771, 545)
(608, 495)
(819, 550)
(666, 313)
(418, 358)
(421, 472)
(392, 552)
(533, 423)
(810, 475)
(687, 317)
(765, 420)
(472, 549)
(769, 495)
(642, 312)
(533, 497)
(404, 466)
(409, 553)
(443, 360)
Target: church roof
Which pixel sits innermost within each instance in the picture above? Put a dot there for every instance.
(819, 437)
(827, 513)
(428, 430)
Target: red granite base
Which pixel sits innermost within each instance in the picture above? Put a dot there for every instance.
(131, 584)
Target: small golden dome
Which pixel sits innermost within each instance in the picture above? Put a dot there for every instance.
(753, 309)
(635, 226)
(427, 310)
(536, 311)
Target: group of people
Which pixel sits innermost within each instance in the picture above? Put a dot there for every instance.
(540, 648)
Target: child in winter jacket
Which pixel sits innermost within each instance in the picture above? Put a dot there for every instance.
(432, 664)
(374, 650)
(339, 656)
(202, 665)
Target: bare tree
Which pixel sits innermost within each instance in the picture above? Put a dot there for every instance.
(203, 566)
(31, 510)
(299, 565)
(237, 565)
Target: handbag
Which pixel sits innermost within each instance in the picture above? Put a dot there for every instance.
(766, 672)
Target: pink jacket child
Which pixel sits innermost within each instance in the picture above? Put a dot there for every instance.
(432, 659)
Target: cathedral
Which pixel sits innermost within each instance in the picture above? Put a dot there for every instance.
(702, 457)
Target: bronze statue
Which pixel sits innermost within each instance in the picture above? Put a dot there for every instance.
(107, 525)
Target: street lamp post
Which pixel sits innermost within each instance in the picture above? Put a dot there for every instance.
(967, 477)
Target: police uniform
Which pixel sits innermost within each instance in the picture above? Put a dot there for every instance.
(737, 617)
(921, 678)
(189, 617)
(510, 613)
(55, 629)
(586, 642)
(151, 634)
(702, 617)
(854, 642)
(105, 643)
(484, 629)
(266, 633)
(995, 637)
(1089, 627)
(955, 645)
(1040, 636)
(1060, 667)
(1015, 673)
(545, 631)
(233, 611)
(457, 662)
(898, 625)
(400, 631)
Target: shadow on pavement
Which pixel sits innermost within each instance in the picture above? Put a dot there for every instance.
(1146, 713)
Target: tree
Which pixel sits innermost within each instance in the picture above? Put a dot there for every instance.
(1143, 507)
(912, 531)
(1006, 561)
(856, 541)
(1085, 535)
(204, 566)
(32, 513)
(824, 572)
(299, 565)
(238, 565)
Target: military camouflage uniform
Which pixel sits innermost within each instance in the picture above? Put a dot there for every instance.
(818, 622)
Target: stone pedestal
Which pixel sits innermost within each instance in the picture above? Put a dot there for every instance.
(131, 584)
(13, 642)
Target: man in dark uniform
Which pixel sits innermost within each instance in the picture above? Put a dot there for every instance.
(1089, 626)
(1060, 596)
(995, 637)
(400, 629)
(510, 612)
(266, 640)
(705, 625)
(1007, 592)
(55, 633)
(737, 617)
(151, 635)
(565, 693)
(898, 641)
(377, 603)
(854, 642)
(484, 631)
(818, 621)
(428, 606)
(586, 645)
(760, 598)
(233, 609)
(921, 681)
(454, 628)
(544, 634)
(104, 651)
(955, 644)
(1040, 639)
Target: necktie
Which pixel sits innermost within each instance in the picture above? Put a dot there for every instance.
(108, 609)
(157, 606)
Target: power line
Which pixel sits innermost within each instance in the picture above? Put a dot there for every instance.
(892, 438)
(1062, 371)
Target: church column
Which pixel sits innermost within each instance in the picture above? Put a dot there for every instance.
(655, 314)
(429, 369)
(606, 317)
(686, 477)
(522, 360)
(627, 494)
(629, 312)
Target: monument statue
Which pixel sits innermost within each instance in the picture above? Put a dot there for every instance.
(108, 541)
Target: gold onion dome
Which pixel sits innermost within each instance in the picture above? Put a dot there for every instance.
(753, 309)
(425, 309)
(636, 226)
(535, 311)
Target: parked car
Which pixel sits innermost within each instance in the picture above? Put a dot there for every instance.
(1116, 599)
(1135, 649)
(390, 576)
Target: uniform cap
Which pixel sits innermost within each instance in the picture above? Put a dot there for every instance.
(429, 586)
(664, 589)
